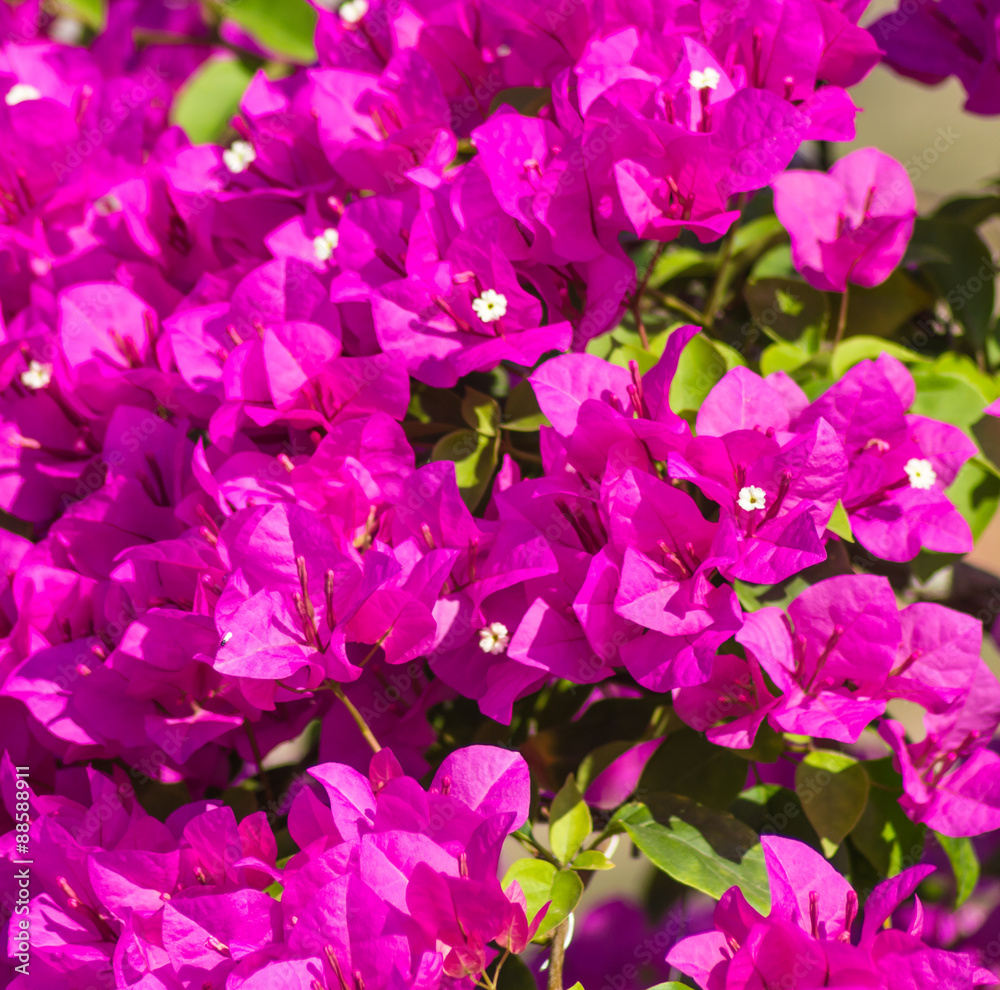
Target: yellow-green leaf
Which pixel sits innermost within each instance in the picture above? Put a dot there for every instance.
(210, 98)
(569, 822)
(840, 523)
(833, 789)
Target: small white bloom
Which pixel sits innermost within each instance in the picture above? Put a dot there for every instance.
(352, 11)
(920, 472)
(239, 157)
(38, 375)
(67, 30)
(325, 244)
(708, 78)
(752, 498)
(503, 51)
(21, 93)
(494, 638)
(490, 306)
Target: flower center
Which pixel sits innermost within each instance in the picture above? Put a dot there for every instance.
(921, 473)
(707, 78)
(239, 156)
(21, 93)
(490, 306)
(494, 638)
(752, 497)
(38, 375)
(325, 244)
(352, 11)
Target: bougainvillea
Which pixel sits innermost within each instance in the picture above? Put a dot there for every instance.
(443, 443)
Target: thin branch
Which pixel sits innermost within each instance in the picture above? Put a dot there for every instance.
(841, 318)
(676, 303)
(557, 955)
(721, 280)
(261, 772)
(358, 718)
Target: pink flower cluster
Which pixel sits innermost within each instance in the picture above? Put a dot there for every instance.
(225, 528)
(393, 886)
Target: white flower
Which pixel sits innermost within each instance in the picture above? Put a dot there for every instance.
(325, 244)
(494, 638)
(38, 375)
(21, 93)
(503, 50)
(490, 306)
(920, 472)
(239, 157)
(352, 11)
(752, 498)
(708, 78)
(67, 30)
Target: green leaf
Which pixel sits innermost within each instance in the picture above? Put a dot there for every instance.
(776, 263)
(521, 410)
(787, 308)
(592, 859)
(972, 210)
(682, 261)
(882, 310)
(962, 366)
(621, 356)
(514, 974)
(210, 98)
(776, 810)
(840, 523)
(481, 412)
(703, 362)
(569, 821)
(947, 397)
(976, 493)
(782, 356)
(833, 789)
(966, 278)
(683, 852)
(884, 834)
(475, 459)
(526, 100)
(93, 13)
(287, 29)
(856, 349)
(768, 746)
(753, 238)
(275, 890)
(534, 877)
(567, 887)
(558, 749)
(686, 763)
(596, 762)
(964, 862)
(672, 985)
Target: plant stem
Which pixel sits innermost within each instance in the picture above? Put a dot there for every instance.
(261, 772)
(721, 280)
(841, 317)
(358, 718)
(530, 842)
(496, 972)
(557, 954)
(637, 298)
(673, 302)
